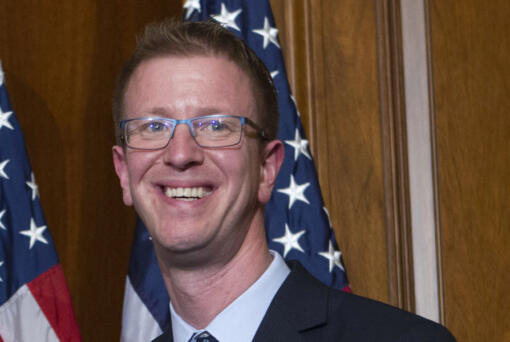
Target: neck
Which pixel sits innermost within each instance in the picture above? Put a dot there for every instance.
(201, 293)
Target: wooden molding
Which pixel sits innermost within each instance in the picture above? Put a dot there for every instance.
(435, 176)
(394, 144)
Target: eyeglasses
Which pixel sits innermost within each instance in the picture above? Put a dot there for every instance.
(218, 130)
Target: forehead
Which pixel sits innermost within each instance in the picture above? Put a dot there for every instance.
(178, 86)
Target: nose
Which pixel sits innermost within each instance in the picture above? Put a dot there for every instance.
(182, 151)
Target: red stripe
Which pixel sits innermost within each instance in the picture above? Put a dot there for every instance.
(51, 293)
(347, 289)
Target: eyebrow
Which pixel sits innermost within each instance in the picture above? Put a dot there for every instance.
(165, 111)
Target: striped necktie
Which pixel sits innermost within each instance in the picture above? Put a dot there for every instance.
(204, 336)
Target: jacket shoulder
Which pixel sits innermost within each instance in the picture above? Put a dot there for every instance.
(165, 337)
(368, 319)
(322, 313)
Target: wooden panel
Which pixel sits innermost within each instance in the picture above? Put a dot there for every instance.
(331, 53)
(470, 47)
(60, 60)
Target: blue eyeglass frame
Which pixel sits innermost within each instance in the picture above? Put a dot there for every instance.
(188, 122)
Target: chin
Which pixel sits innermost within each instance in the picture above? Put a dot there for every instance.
(178, 243)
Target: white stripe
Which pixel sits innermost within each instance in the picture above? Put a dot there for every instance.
(420, 159)
(138, 324)
(21, 319)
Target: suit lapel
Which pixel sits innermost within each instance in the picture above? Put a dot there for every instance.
(166, 337)
(300, 304)
(276, 329)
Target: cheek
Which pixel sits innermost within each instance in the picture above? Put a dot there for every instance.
(240, 170)
(139, 163)
(250, 172)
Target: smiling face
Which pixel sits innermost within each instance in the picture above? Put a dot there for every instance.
(193, 198)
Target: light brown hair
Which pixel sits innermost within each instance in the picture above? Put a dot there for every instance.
(187, 39)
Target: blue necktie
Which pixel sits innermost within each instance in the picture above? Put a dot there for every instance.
(204, 336)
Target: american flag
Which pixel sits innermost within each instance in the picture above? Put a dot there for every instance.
(34, 300)
(297, 222)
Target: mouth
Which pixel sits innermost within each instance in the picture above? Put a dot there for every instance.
(187, 194)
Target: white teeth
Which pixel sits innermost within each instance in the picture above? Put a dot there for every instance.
(187, 194)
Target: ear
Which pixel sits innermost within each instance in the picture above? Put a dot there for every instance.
(120, 163)
(272, 160)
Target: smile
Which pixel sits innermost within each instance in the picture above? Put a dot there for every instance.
(187, 194)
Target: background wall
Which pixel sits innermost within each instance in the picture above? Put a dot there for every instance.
(344, 60)
(470, 44)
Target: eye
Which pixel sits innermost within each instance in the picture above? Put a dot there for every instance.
(153, 127)
(217, 125)
(213, 126)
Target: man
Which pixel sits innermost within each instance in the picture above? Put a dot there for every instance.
(197, 156)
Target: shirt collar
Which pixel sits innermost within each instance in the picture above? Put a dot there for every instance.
(240, 320)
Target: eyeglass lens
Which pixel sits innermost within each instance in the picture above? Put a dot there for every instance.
(153, 133)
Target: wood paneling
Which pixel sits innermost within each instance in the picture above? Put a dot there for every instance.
(331, 50)
(60, 60)
(470, 48)
(344, 67)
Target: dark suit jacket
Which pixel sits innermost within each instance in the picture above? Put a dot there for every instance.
(306, 310)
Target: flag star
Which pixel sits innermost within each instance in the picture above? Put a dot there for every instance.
(34, 233)
(329, 218)
(296, 192)
(226, 18)
(4, 119)
(269, 33)
(2, 213)
(32, 185)
(1, 75)
(290, 241)
(1, 264)
(190, 6)
(295, 105)
(274, 74)
(333, 257)
(2, 171)
(299, 145)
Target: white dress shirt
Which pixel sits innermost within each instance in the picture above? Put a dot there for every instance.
(239, 321)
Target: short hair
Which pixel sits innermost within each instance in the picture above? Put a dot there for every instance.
(208, 38)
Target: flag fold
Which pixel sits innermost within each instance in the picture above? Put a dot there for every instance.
(34, 299)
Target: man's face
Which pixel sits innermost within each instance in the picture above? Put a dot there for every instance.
(234, 181)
